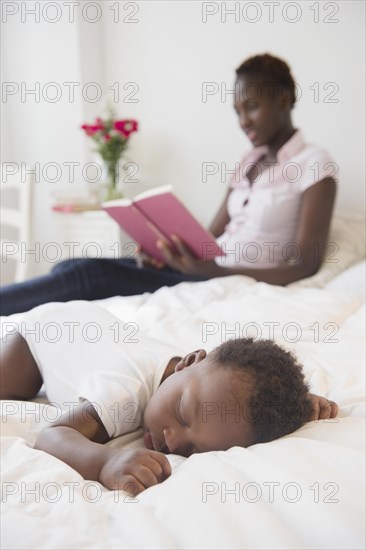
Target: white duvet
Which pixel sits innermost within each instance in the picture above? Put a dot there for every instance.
(305, 490)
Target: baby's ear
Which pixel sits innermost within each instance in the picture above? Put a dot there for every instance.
(192, 358)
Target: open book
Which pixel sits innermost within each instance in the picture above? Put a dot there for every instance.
(158, 213)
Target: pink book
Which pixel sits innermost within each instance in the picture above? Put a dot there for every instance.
(158, 213)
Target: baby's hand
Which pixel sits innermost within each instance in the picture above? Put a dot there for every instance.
(134, 470)
(322, 407)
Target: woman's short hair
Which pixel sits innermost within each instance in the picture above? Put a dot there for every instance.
(275, 70)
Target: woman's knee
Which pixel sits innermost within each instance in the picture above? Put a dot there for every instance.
(66, 265)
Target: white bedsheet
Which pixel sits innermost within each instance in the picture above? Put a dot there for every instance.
(305, 490)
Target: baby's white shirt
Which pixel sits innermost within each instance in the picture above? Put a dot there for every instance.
(85, 352)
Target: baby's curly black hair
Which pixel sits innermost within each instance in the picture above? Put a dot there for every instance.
(279, 403)
(273, 69)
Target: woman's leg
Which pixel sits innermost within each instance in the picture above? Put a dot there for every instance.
(20, 378)
(87, 279)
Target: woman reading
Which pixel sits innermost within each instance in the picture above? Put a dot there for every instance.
(273, 223)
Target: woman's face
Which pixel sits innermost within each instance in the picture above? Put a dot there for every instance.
(262, 107)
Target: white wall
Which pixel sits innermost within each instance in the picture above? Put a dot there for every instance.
(37, 130)
(168, 53)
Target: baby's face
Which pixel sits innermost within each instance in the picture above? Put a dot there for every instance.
(194, 411)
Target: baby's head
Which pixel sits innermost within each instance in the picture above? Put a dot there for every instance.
(241, 393)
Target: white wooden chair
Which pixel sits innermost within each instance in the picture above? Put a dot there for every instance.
(16, 218)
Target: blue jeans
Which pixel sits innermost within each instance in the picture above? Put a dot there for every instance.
(88, 279)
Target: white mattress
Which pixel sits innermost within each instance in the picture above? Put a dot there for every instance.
(305, 490)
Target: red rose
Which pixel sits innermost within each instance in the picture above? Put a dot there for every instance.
(126, 127)
(90, 130)
(107, 137)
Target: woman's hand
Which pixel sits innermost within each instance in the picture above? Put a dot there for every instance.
(143, 259)
(134, 470)
(184, 261)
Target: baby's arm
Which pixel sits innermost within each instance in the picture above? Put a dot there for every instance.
(77, 438)
(322, 408)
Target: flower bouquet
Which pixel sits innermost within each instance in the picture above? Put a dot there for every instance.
(111, 138)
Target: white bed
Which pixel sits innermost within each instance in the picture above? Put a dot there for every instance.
(305, 490)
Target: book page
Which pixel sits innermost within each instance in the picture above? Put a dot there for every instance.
(169, 214)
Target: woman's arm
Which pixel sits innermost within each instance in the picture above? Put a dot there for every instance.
(217, 226)
(77, 439)
(311, 238)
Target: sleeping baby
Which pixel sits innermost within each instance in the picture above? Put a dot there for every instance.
(110, 380)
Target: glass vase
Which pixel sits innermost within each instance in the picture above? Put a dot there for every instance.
(111, 186)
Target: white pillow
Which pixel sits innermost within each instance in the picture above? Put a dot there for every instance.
(346, 247)
(353, 279)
